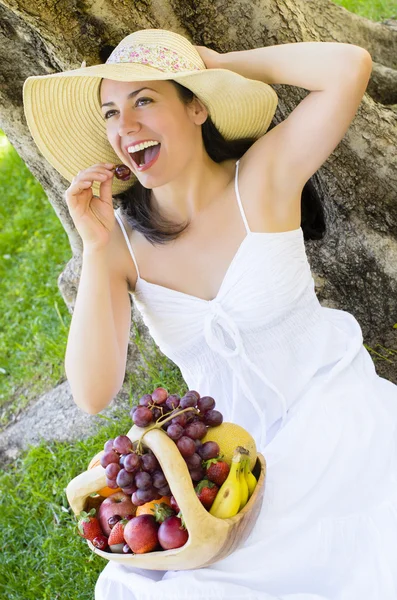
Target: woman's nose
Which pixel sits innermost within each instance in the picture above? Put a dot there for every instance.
(128, 123)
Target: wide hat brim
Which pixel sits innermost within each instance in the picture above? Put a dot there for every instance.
(65, 119)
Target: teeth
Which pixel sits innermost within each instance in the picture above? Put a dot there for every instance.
(142, 146)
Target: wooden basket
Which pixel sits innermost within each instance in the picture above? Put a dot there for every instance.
(210, 539)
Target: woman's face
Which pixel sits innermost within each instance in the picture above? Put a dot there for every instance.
(151, 112)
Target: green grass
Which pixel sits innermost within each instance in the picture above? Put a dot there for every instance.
(376, 10)
(34, 319)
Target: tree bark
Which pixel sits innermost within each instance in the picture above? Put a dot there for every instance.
(355, 264)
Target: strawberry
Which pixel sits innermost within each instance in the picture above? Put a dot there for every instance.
(217, 470)
(206, 492)
(88, 526)
(162, 511)
(116, 535)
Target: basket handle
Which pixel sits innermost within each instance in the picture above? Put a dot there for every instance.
(83, 485)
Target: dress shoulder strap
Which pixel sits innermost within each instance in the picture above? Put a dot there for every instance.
(239, 200)
(118, 217)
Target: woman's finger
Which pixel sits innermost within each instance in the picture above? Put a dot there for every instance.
(80, 187)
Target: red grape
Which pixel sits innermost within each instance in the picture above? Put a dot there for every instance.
(209, 450)
(187, 401)
(197, 474)
(108, 445)
(126, 549)
(129, 490)
(175, 431)
(198, 444)
(205, 403)
(113, 520)
(196, 430)
(172, 401)
(122, 459)
(180, 420)
(193, 393)
(142, 416)
(159, 479)
(149, 463)
(132, 462)
(112, 470)
(159, 395)
(122, 172)
(147, 495)
(122, 444)
(186, 446)
(136, 500)
(124, 479)
(157, 413)
(145, 400)
(143, 480)
(133, 409)
(100, 542)
(109, 457)
(212, 418)
(164, 491)
(111, 483)
(174, 504)
(194, 461)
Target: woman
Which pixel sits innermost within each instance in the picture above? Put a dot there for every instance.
(223, 283)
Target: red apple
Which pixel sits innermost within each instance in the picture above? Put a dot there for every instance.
(172, 534)
(141, 534)
(116, 504)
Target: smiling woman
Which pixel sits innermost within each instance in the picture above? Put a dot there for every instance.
(232, 301)
(137, 203)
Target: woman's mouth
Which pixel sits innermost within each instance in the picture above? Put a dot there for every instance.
(144, 155)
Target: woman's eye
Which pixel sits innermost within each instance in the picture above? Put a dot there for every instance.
(108, 114)
(142, 100)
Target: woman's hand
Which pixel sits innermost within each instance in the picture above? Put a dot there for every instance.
(93, 216)
(210, 58)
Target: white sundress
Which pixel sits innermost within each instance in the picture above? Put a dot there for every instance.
(297, 376)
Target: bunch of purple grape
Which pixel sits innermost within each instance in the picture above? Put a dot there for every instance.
(138, 475)
(186, 429)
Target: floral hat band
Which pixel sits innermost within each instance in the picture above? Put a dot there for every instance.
(152, 55)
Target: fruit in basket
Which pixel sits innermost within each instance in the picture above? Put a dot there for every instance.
(141, 534)
(94, 462)
(116, 504)
(250, 478)
(149, 507)
(244, 492)
(172, 533)
(209, 450)
(228, 500)
(174, 504)
(217, 470)
(88, 525)
(100, 542)
(230, 435)
(206, 492)
(213, 418)
(116, 537)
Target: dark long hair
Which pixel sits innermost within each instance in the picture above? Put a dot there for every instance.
(144, 217)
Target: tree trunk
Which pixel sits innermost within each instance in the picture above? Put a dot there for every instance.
(355, 264)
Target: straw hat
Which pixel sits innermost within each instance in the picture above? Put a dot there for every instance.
(63, 109)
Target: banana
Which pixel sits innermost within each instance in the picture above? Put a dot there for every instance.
(243, 482)
(228, 499)
(250, 479)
